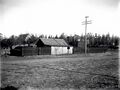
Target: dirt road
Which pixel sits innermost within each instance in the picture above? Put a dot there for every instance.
(66, 71)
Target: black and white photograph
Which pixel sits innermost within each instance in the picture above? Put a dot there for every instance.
(60, 44)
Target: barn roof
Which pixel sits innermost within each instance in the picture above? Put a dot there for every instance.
(54, 42)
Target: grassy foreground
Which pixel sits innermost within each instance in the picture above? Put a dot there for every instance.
(91, 72)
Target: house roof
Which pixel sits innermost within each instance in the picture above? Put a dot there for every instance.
(54, 42)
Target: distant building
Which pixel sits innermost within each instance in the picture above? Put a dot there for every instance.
(81, 43)
(53, 46)
(43, 46)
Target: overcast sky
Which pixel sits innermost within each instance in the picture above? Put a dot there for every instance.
(51, 17)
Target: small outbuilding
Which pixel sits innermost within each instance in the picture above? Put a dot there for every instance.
(53, 47)
(43, 46)
(23, 50)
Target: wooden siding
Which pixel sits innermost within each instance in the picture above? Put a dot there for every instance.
(44, 50)
(29, 51)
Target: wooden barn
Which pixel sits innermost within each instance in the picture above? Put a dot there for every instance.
(53, 46)
(43, 46)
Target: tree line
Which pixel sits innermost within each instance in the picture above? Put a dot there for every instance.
(94, 40)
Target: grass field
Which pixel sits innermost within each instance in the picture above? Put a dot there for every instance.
(65, 72)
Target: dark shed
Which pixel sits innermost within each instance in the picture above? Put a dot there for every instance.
(23, 51)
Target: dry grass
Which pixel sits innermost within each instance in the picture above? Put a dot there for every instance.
(73, 71)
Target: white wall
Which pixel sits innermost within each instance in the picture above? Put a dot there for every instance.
(61, 50)
(71, 50)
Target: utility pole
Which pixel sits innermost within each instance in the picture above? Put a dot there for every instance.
(85, 23)
(119, 66)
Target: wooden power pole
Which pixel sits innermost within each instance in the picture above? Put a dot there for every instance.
(119, 66)
(85, 23)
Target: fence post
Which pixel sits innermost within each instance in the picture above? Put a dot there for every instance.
(38, 50)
